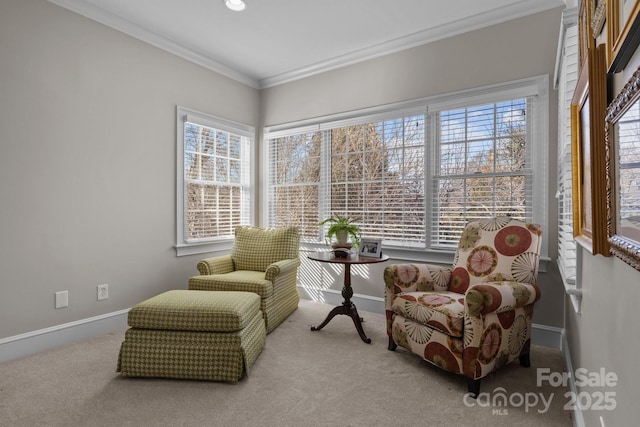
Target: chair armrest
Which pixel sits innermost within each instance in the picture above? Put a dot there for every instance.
(281, 267)
(216, 265)
(400, 278)
(484, 298)
(416, 277)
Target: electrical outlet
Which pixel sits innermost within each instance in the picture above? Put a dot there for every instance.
(62, 299)
(103, 291)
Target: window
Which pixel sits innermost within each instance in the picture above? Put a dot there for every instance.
(628, 197)
(377, 175)
(566, 77)
(482, 167)
(213, 180)
(295, 167)
(372, 171)
(415, 173)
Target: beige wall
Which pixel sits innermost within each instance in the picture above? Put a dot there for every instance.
(600, 336)
(510, 51)
(87, 163)
(88, 134)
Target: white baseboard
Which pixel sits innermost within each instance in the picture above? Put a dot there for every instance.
(362, 302)
(546, 336)
(56, 336)
(578, 419)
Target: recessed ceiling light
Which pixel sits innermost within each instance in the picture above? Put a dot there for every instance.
(236, 5)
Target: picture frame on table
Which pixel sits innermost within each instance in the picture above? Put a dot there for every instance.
(623, 178)
(370, 248)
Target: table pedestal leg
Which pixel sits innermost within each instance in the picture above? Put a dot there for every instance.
(348, 308)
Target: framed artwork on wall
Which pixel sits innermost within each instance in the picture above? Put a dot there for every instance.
(585, 41)
(623, 172)
(623, 32)
(598, 13)
(588, 110)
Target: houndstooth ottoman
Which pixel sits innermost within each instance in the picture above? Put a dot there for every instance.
(205, 335)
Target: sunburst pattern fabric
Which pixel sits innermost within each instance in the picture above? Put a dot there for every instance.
(443, 311)
(478, 316)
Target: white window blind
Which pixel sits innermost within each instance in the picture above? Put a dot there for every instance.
(373, 172)
(483, 166)
(567, 79)
(213, 177)
(377, 176)
(295, 167)
(414, 173)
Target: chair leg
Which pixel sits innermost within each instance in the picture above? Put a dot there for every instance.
(392, 344)
(525, 360)
(474, 387)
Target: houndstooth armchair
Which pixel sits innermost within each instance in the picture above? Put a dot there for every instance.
(474, 317)
(263, 261)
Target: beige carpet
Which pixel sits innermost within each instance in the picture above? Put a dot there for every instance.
(302, 378)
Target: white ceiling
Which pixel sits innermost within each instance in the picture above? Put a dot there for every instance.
(276, 41)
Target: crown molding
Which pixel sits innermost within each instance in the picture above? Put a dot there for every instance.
(110, 20)
(569, 18)
(487, 19)
(513, 11)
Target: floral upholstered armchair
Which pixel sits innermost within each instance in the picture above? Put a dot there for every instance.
(474, 317)
(263, 261)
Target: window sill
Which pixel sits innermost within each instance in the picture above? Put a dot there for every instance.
(185, 249)
(573, 286)
(575, 295)
(426, 256)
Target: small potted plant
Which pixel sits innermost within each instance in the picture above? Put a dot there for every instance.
(342, 227)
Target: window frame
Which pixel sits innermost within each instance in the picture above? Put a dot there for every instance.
(569, 259)
(183, 246)
(538, 131)
(481, 98)
(376, 115)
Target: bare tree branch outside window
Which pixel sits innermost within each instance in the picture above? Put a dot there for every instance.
(378, 171)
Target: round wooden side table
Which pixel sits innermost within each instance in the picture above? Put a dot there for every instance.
(347, 308)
